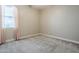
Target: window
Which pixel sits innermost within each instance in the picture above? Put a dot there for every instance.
(8, 17)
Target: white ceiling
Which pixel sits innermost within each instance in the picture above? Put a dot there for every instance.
(40, 7)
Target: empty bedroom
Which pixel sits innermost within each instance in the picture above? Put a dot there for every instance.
(39, 28)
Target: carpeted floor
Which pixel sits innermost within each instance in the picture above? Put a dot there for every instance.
(39, 44)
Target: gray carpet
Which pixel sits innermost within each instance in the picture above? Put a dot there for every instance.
(39, 44)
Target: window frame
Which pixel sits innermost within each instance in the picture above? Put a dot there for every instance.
(3, 17)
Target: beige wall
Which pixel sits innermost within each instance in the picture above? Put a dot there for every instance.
(29, 22)
(62, 21)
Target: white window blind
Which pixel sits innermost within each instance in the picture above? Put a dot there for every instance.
(8, 17)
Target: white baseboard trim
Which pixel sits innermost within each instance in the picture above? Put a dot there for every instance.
(46, 35)
(24, 37)
(9, 40)
(68, 40)
(29, 36)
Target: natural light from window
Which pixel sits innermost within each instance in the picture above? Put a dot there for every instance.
(8, 17)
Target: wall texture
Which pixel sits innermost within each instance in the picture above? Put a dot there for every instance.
(61, 21)
(29, 22)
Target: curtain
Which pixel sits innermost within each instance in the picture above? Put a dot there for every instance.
(2, 36)
(0, 26)
(16, 31)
